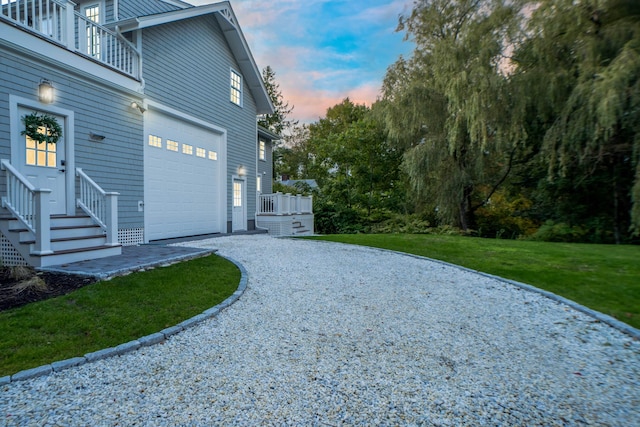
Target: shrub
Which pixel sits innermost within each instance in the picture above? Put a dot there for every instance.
(399, 223)
(336, 219)
(502, 218)
(559, 232)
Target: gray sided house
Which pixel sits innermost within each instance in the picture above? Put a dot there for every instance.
(156, 101)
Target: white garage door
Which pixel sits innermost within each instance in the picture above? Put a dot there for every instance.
(183, 178)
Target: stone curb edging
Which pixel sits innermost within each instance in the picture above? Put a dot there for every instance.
(145, 341)
(604, 318)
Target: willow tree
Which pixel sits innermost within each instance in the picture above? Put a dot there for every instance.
(450, 105)
(581, 63)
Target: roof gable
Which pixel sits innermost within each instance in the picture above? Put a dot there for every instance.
(228, 22)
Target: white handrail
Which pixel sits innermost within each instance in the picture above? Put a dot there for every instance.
(100, 205)
(106, 46)
(29, 205)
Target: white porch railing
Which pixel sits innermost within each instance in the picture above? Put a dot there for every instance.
(57, 21)
(30, 206)
(100, 205)
(284, 204)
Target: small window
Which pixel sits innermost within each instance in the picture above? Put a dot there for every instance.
(262, 152)
(201, 152)
(259, 183)
(237, 194)
(213, 155)
(172, 145)
(187, 149)
(236, 88)
(155, 141)
(41, 154)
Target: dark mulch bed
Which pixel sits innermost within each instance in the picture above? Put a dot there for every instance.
(21, 286)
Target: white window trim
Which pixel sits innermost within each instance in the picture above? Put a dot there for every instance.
(101, 6)
(232, 88)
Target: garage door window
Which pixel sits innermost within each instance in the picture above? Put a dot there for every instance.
(172, 145)
(187, 149)
(155, 141)
(213, 155)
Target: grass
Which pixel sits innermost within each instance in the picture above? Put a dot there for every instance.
(109, 313)
(605, 278)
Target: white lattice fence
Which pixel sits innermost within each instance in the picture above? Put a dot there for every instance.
(9, 256)
(131, 236)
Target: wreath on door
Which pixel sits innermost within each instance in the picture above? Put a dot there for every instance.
(34, 123)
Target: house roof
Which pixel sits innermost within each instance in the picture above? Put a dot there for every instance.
(227, 20)
(266, 133)
(292, 182)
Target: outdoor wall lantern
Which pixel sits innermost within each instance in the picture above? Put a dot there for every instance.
(45, 91)
(137, 106)
(242, 171)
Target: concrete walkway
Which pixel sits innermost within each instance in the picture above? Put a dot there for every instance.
(140, 257)
(133, 258)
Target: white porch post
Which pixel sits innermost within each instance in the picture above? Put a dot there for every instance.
(299, 203)
(69, 27)
(287, 209)
(112, 218)
(279, 203)
(43, 222)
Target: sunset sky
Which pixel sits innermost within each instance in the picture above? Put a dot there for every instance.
(323, 51)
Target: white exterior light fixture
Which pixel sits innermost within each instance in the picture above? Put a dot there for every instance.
(45, 91)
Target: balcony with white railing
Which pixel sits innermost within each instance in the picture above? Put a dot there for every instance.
(285, 214)
(58, 22)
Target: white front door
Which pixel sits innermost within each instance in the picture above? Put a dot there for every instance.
(43, 164)
(239, 214)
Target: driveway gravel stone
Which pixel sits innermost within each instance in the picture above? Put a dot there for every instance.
(329, 334)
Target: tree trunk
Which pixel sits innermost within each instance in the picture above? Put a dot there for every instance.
(466, 213)
(616, 206)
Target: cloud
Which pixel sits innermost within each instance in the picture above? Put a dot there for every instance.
(323, 51)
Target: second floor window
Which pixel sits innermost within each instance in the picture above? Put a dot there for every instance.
(262, 152)
(236, 88)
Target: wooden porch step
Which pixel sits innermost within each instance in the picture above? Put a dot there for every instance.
(64, 239)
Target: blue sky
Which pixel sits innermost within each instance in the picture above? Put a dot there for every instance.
(323, 50)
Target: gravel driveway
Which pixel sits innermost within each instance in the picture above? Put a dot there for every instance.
(329, 334)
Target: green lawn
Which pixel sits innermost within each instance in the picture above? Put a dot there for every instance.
(109, 313)
(605, 278)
